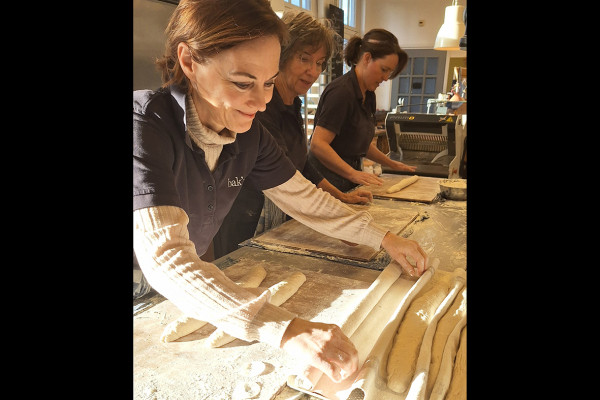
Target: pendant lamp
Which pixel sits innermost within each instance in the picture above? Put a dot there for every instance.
(452, 29)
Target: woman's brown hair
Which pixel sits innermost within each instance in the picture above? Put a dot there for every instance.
(304, 31)
(211, 26)
(379, 43)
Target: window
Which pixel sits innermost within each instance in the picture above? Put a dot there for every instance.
(345, 66)
(349, 15)
(421, 80)
(305, 4)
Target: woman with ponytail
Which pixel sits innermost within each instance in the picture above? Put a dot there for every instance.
(345, 117)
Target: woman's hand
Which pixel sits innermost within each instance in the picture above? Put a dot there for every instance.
(398, 166)
(365, 178)
(357, 196)
(400, 249)
(323, 346)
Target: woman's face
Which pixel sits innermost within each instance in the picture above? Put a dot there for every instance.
(378, 70)
(231, 87)
(302, 70)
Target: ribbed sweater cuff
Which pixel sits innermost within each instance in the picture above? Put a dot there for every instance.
(270, 324)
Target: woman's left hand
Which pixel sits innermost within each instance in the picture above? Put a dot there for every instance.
(400, 248)
(398, 166)
(357, 196)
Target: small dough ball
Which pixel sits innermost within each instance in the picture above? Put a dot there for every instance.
(246, 390)
(254, 368)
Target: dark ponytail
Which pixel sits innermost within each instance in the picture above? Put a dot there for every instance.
(378, 42)
(352, 51)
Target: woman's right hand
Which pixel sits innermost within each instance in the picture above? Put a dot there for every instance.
(323, 346)
(365, 178)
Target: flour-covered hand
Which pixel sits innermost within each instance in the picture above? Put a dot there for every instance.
(400, 248)
(324, 346)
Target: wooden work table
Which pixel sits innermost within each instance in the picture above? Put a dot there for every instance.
(185, 369)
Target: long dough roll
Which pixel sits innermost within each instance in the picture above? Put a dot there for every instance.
(441, 339)
(402, 184)
(405, 349)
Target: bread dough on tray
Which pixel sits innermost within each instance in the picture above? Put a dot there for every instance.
(402, 184)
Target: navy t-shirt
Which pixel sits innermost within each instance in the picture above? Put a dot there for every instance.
(170, 169)
(285, 124)
(342, 111)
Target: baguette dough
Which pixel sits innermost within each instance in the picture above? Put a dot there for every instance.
(442, 338)
(458, 385)
(185, 325)
(442, 382)
(402, 184)
(280, 292)
(420, 377)
(253, 278)
(310, 376)
(405, 349)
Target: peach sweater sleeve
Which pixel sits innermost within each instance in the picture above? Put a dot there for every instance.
(319, 210)
(200, 289)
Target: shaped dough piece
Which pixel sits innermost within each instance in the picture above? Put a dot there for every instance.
(444, 377)
(402, 184)
(280, 292)
(407, 343)
(420, 373)
(458, 385)
(444, 328)
(185, 325)
(253, 278)
(310, 375)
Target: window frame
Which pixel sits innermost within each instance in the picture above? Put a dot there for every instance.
(311, 3)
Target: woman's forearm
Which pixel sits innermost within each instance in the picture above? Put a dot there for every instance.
(169, 261)
(320, 211)
(376, 155)
(321, 148)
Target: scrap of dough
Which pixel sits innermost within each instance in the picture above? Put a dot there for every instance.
(280, 292)
(254, 368)
(405, 349)
(458, 385)
(444, 328)
(185, 325)
(402, 184)
(246, 390)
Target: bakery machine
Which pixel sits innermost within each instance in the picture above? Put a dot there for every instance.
(434, 143)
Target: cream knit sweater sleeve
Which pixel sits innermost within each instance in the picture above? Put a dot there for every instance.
(171, 265)
(319, 210)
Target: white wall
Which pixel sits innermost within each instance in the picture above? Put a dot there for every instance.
(401, 17)
(150, 19)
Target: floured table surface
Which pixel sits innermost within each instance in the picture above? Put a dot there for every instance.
(184, 369)
(294, 236)
(425, 189)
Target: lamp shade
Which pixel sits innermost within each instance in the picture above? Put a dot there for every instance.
(452, 29)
